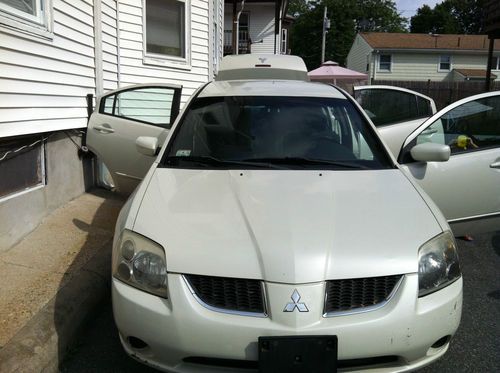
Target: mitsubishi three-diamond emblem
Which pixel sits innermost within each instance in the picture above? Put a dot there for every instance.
(301, 306)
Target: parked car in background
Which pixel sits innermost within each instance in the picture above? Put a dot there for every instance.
(273, 230)
(395, 111)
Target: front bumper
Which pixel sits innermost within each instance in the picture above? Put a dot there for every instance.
(179, 328)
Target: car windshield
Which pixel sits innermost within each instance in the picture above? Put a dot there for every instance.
(274, 132)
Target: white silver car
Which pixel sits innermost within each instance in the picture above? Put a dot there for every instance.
(275, 232)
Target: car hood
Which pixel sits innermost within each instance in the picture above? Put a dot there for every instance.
(284, 225)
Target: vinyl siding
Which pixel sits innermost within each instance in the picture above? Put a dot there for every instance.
(424, 66)
(109, 44)
(43, 82)
(217, 34)
(133, 68)
(261, 25)
(359, 55)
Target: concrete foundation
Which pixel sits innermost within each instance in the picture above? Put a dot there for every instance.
(67, 177)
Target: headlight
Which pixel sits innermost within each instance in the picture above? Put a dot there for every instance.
(140, 263)
(438, 264)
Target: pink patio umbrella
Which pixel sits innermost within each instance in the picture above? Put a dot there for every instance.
(331, 72)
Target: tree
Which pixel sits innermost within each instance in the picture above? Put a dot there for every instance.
(347, 17)
(450, 17)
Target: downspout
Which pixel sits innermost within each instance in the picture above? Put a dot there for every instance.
(277, 11)
(98, 48)
(118, 49)
(238, 27)
(235, 26)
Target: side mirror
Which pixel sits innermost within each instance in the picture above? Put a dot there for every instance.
(430, 152)
(147, 145)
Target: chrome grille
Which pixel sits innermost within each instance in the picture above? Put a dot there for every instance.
(358, 293)
(230, 294)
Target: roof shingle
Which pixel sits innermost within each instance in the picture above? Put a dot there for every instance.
(474, 73)
(385, 40)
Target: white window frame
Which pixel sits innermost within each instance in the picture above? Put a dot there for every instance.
(164, 60)
(13, 19)
(378, 63)
(439, 63)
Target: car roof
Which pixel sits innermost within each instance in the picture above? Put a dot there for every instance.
(262, 66)
(279, 88)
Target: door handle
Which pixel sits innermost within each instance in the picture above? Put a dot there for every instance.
(104, 129)
(495, 165)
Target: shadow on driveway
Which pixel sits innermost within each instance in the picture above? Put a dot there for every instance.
(86, 284)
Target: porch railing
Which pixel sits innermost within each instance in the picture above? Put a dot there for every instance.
(244, 44)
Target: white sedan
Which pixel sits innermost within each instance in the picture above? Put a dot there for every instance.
(274, 231)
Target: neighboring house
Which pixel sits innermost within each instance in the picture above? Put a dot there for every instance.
(55, 52)
(403, 57)
(258, 31)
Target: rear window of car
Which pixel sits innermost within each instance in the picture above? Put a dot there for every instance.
(274, 130)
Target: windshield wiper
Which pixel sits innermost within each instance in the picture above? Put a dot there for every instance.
(302, 161)
(207, 160)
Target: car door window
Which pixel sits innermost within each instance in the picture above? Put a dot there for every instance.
(151, 105)
(390, 106)
(471, 126)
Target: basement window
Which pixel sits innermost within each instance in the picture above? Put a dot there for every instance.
(22, 165)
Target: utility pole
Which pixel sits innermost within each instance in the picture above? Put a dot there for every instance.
(326, 27)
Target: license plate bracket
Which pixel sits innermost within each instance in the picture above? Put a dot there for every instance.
(298, 354)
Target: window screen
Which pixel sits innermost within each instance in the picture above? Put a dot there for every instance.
(26, 6)
(165, 27)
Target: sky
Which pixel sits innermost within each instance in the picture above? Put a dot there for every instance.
(408, 8)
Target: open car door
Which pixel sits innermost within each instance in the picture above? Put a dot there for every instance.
(395, 111)
(120, 117)
(467, 186)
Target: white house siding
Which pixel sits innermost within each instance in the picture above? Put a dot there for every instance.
(217, 39)
(261, 25)
(134, 70)
(109, 44)
(424, 66)
(359, 55)
(43, 82)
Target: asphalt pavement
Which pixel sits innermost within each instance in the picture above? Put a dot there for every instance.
(475, 348)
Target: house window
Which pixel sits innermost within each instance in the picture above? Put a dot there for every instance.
(23, 163)
(495, 63)
(444, 63)
(165, 28)
(385, 62)
(27, 15)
